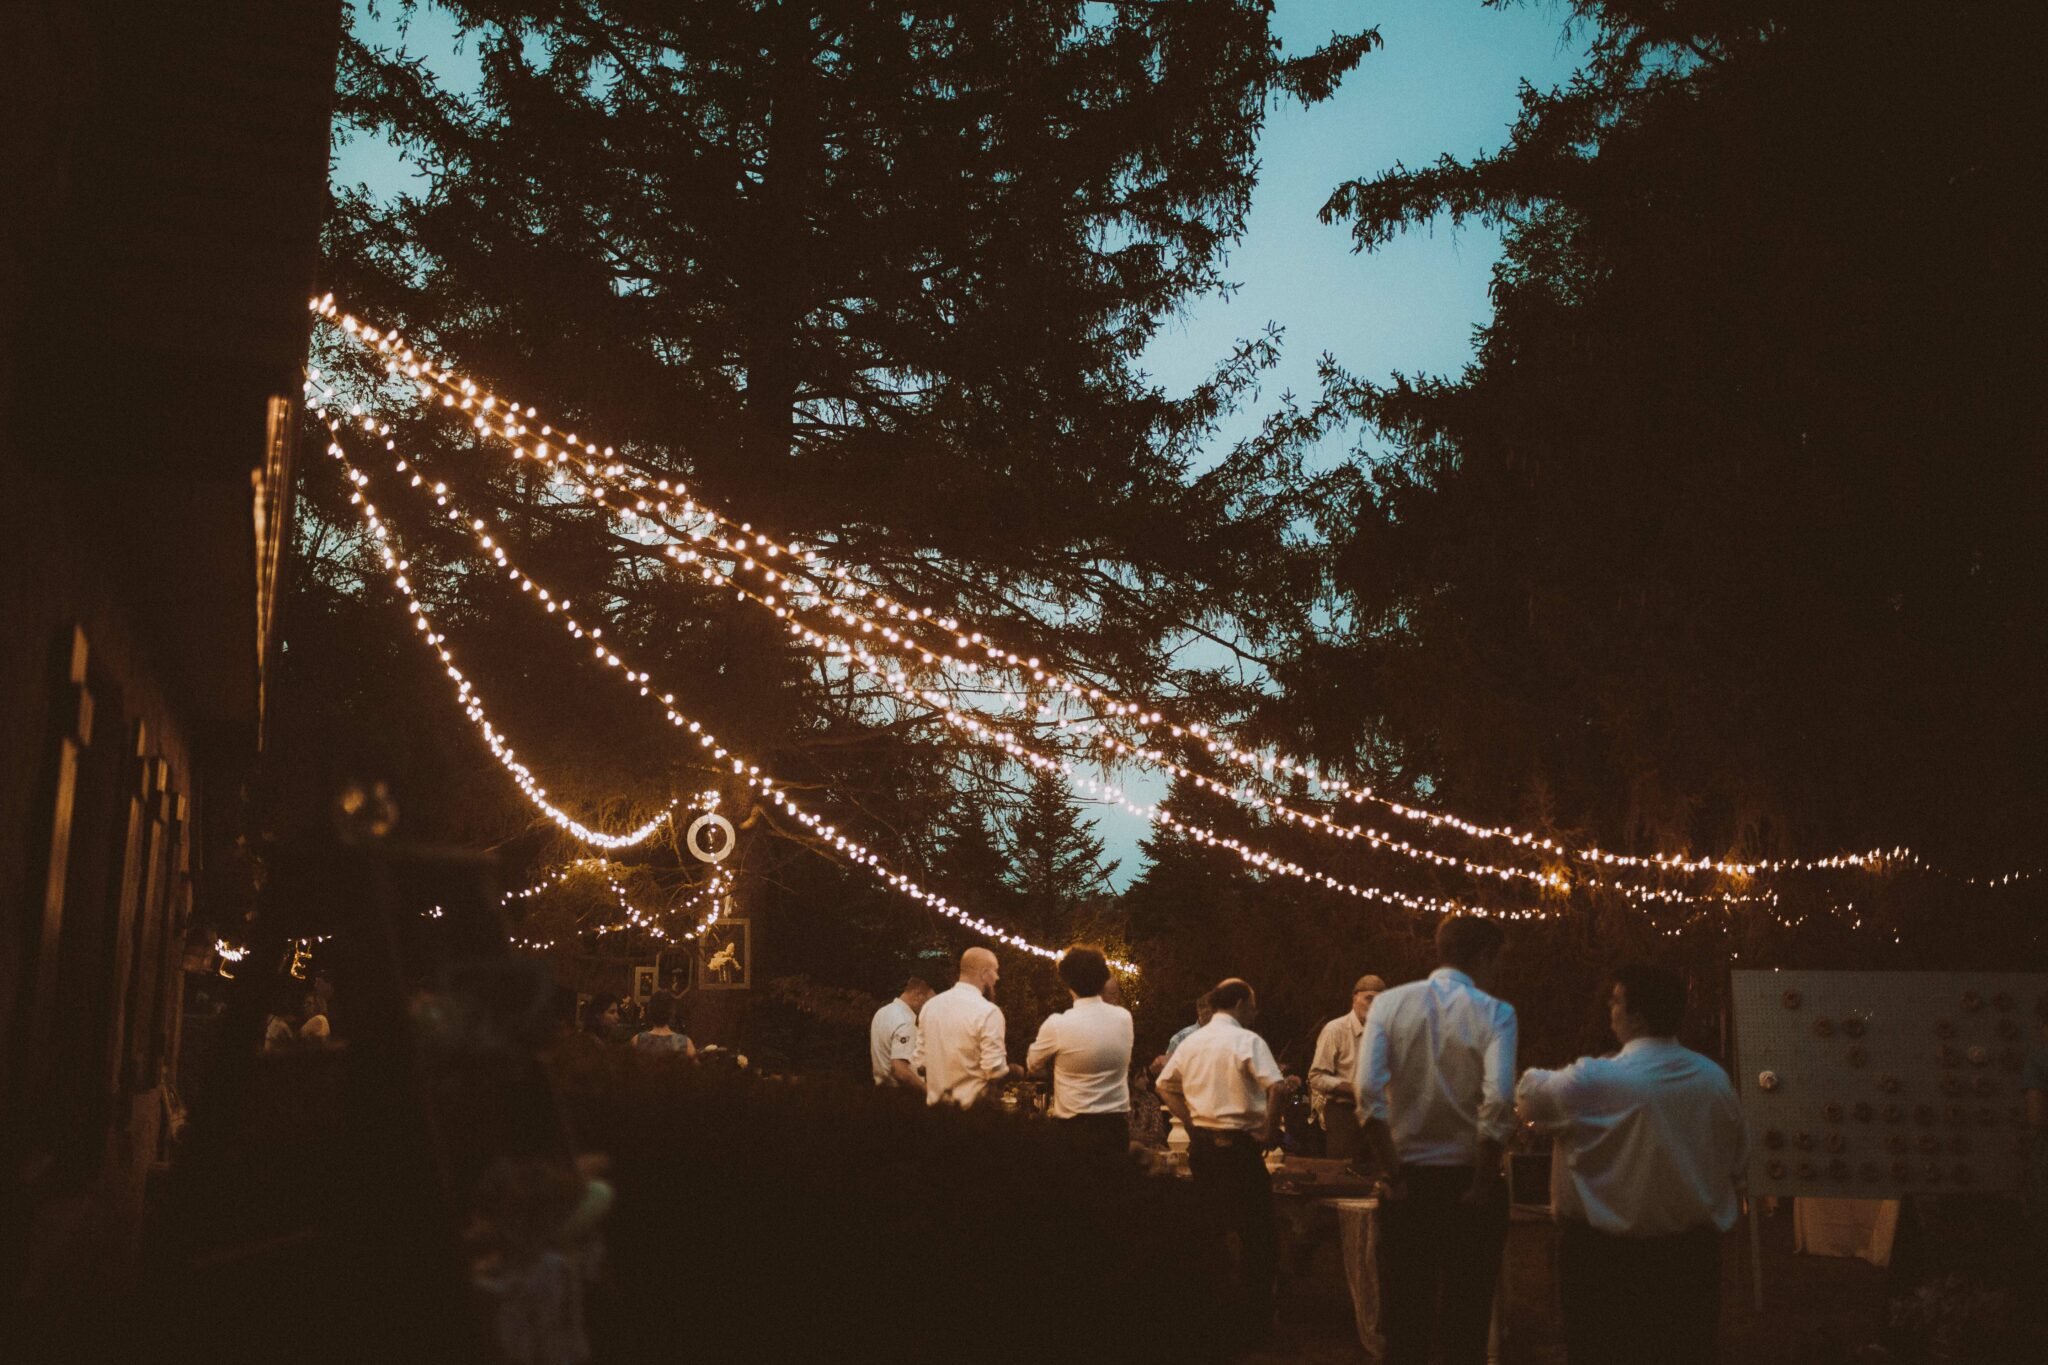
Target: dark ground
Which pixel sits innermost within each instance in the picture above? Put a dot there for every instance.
(1817, 1309)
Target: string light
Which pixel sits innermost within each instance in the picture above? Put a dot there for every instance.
(975, 728)
(508, 422)
(466, 694)
(472, 706)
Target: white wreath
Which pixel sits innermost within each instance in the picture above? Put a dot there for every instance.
(714, 819)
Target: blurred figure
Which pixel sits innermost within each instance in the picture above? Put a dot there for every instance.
(2034, 1080)
(1087, 1050)
(315, 1029)
(1203, 1013)
(960, 1043)
(1333, 1074)
(281, 1026)
(892, 1037)
(658, 1036)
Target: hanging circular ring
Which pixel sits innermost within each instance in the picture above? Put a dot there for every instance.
(715, 821)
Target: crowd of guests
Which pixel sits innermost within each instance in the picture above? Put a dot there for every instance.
(1417, 1083)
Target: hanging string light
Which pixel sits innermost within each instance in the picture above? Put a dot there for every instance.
(978, 729)
(856, 653)
(751, 774)
(508, 421)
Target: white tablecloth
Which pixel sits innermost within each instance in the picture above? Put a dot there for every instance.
(1846, 1227)
(1359, 1232)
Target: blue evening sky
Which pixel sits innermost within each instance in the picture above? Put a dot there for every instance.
(1445, 81)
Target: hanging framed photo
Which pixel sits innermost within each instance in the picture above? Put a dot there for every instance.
(727, 963)
(643, 983)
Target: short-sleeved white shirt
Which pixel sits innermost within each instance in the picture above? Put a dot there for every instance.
(1224, 1071)
(1089, 1046)
(892, 1036)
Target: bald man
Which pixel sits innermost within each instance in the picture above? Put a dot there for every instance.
(960, 1046)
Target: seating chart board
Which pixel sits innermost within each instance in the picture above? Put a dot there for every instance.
(1875, 1084)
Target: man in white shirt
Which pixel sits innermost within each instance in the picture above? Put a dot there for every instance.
(1650, 1146)
(1333, 1074)
(892, 1038)
(1087, 1048)
(1436, 1071)
(1224, 1085)
(960, 1046)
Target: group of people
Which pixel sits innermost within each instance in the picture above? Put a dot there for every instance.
(299, 1018)
(1418, 1081)
(645, 1027)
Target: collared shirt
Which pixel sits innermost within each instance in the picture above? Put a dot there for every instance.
(960, 1045)
(1224, 1071)
(1335, 1067)
(1173, 1043)
(1089, 1046)
(892, 1036)
(1652, 1139)
(1437, 1064)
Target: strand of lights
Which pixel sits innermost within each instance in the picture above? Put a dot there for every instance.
(715, 891)
(466, 692)
(977, 729)
(460, 393)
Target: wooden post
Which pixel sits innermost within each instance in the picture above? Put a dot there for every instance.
(74, 715)
(1756, 1255)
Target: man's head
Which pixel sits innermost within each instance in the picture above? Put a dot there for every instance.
(1234, 996)
(1470, 944)
(978, 967)
(1647, 1002)
(1363, 992)
(915, 992)
(1112, 991)
(1205, 1008)
(1084, 971)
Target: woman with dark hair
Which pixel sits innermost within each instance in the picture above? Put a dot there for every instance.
(601, 1017)
(658, 1036)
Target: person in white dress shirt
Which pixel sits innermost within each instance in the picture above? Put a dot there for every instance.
(1333, 1073)
(892, 1038)
(1225, 1086)
(1650, 1147)
(1436, 1072)
(960, 1043)
(1087, 1050)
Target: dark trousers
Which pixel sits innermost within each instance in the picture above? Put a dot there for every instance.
(1237, 1196)
(1629, 1299)
(1102, 1134)
(1439, 1257)
(1342, 1137)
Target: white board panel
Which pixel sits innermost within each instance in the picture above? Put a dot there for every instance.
(1876, 1084)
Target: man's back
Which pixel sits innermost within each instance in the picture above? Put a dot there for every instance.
(1224, 1070)
(1652, 1138)
(960, 1043)
(1437, 1064)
